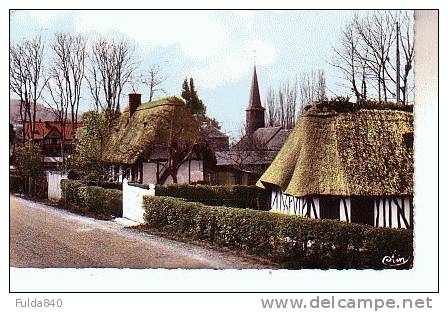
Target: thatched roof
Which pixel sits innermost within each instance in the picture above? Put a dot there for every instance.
(150, 126)
(362, 152)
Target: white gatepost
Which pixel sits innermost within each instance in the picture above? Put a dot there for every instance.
(54, 184)
(133, 201)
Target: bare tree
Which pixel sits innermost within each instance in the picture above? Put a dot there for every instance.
(377, 34)
(289, 93)
(312, 87)
(59, 103)
(154, 80)
(352, 67)
(285, 105)
(282, 105)
(368, 60)
(111, 68)
(406, 39)
(66, 78)
(271, 108)
(27, 80)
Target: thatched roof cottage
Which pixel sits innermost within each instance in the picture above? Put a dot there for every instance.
(346, 163)
(156, 142)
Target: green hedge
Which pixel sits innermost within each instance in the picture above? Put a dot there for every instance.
(15, 183)
(294, 241)
(105, 184)
(94, 199)
(226, 195)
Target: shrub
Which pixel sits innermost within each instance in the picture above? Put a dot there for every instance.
(16, 183)
(105, 184)
(295, 241)
(29, 161)
(239, 196)
(94, 199)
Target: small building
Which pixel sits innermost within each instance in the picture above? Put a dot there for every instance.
(54, 139)
(351, 165)
(244, 162)
(157, 142)
(216, 139)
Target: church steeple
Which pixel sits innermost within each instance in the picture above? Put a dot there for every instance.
(254, 110)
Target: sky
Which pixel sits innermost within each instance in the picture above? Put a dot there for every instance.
(216, 48)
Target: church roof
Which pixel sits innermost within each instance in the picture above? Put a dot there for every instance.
(366, 151)
(267, 139)
(254, 96)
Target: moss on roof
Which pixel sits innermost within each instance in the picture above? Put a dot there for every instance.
(152, 124)
(343, 105)
(353, 153)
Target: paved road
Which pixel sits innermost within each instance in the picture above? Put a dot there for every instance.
(43, 236)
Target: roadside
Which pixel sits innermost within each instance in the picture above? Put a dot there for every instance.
(43, 236)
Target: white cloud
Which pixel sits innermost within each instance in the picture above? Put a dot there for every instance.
(197, 34)
(215, 54)
(45, 19)
(232, 67)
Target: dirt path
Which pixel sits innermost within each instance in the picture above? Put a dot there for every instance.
(46, 237)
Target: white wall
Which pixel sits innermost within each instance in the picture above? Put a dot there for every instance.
(150, 173)
(195, 167)
(133, 201)
(54, 184)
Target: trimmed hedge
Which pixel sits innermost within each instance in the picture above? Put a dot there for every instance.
(91, 199)
(294, 241)
(104, 184)
(239, 196)
(16, 183)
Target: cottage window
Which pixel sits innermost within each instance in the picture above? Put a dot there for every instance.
(362, 210)
(329, 207)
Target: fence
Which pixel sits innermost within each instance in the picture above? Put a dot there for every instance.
(133, 200)
(54, 184)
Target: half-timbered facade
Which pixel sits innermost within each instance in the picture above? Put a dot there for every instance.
(354, 166)
(55, 140)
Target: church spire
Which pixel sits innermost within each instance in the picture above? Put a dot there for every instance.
(254, 110)
(254, 97)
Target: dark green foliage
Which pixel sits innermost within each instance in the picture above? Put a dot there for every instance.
(91, 199)
(343, 105)
(29, 161)
(16, 183)
(105, 184)
(239, 196)
(294, 241)
(192, 100)
(143, 186)
(86, 161)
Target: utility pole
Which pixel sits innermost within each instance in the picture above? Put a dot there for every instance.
(398, 63)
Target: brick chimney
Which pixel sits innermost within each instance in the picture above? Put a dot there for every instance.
(135, 99)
